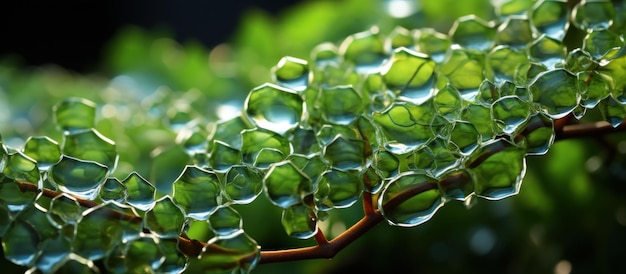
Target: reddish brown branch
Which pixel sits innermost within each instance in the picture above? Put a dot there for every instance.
(587, 130)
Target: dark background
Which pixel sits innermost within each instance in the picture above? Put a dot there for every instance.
(73, 34)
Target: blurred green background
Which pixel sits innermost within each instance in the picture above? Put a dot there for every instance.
(570, 216)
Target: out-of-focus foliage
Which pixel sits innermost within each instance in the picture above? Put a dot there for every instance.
(570, 213)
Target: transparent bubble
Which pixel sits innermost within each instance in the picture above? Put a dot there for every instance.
(515, 31)
(223, 156)
(20, 167)
(338, 189)
(465, 137)
(509, 112)
(457, 185)
(235, 253)
(262, 147)
(325, 54)
(593, 14)
(80, 178)
(613, 111)
(312, 166)
(96, 233)
(299, 221)
(594, 87)
(292, 73)
(274, 108)
(550, 17)
(399, 37)
(242, 184)
(602, 44)
(64, 209)
(43, 150)
(327, 133)
(229, 131)
(304, 141)
(579, 60)
(14, 198)
(473, 33)
(365, 50)
(342, 153)
(385, 163)
(225, 221)
(405, 127)
(433, 43)
(527, 72)
(141, 193)
(487, 93)
(556, 91)
(502, 62)
(444, 158)
(285, 184)
(498, 168)
(113, 190)
(197, 192)
(536, 134)
(480, 117)
(547, 51)
(411, 75)
(175, 261)
(465, 70)
(165, 219)
(410, 199)
(193, 140)
(90, 145)
(142, 253)
(340, 105)
(448, 102)
(55, 252)
(20, 243)
(75, 114)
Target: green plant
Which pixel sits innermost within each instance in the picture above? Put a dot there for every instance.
(403, 123)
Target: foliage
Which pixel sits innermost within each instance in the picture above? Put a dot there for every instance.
(151, 171)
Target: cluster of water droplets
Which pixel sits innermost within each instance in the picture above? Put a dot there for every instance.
(417, 117)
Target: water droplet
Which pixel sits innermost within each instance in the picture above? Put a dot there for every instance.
(304, 141)
(603, 44)
(299, 221)
(509, 112)
(410, 199)
(551, 17)
(223, 156)
(593, 15)
(22, 168)
(80, 178)
(399, 37)
(261, 148)
(165, 219)
(457, 185)
(342, 153)
(340, 105)
(325, 54)
(242, 184)
(556, 91)
(502, 63)
(193, 140)
(365, 50)
(433, 43)
(405, 127)
(55, 252)
(612, 111)
(274, 108)
(75, 114)
(385, 164)
(235, 253)
(480, 117)
(285, 184)
(175, 261)
(229, 131)
(20, 243)
(444, 157)
(411, 75)
(64, 209)
(113, 190)
(292, 73)
(548, 51)
(197, 191)
(339, 189)
(473, 33)
(90, 145)
(43, 150)
(141, 193)
(594, 87)
(465, 70)
(536, 134)
(96, 233)
(579, 60)
(515, 31)
(447, 102)
(312, 166)
(142, 253)
(498, 168)
(465, 137)
(225, 221)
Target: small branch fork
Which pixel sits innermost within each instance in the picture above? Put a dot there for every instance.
(372, 215)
